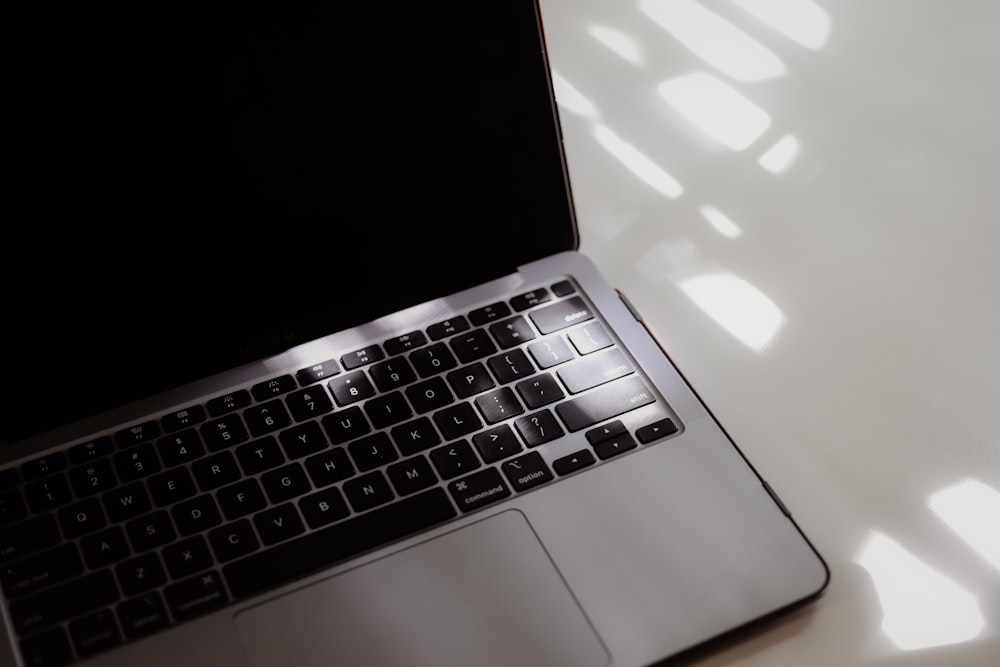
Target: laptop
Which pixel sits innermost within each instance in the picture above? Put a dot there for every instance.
(303, 365)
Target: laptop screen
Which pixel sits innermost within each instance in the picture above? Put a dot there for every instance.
(201, 189)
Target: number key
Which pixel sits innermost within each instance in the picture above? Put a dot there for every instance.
(136, 462)
(309, 403)
(92, 478)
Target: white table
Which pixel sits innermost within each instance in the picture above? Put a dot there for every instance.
(802, 197)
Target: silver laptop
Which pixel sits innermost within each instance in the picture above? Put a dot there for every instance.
(303, 366)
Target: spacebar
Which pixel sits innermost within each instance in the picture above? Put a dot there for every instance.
(288, 560)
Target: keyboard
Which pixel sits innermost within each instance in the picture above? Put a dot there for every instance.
(136, 530)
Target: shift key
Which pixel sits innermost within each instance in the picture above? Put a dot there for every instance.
(64, 601)
(603, 403)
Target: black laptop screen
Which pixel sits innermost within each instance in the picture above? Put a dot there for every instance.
(203, 189)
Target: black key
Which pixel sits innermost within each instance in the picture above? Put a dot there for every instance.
(47, 649)
(530, 299)
(309, 403)
(273, 387)
(447, 328)
(607, 431)
(540, 390)
(224, 432)
(526, 471)
(472, 345)
(215, 471)
(278, 524)
(361, 357)
(412, 475)
(285, 482)
(615, 446)
(259, 455)
(336, 543)
(429, 395)
(372, 451)
(563, 288)
(64, 601)
(497, 443)
(415, 436)
(454, 459)
(43, 569)
(573, 462)
(367, 491)
(561, 314)
(490, 313)
(345, 425)
(242, 498)
(317, 372)
(594, 370)
(405, 342)
(140, 574)
(142, 615)
(470, 380)
(94, 633)
(303, 440)
(538, 428)
(126, 502)
(658, 429)
(590, 338)
(603, 403)
(137, 434)
(9, 478)
(230, 402)
(511, 332)
(550, 352)
(93, 477)
(388, 409)
(199, 594)
(88, 451)
(180, 447)
(171, 486)
(22, 539)
(351, 388)
(478, 489)
(43, 466)
(457, 421)
(47, 493)
(12, 507)
(510, 366)
(392, 374)
(81, 518)
(233, 540)
(137, 462)
(185, 418)
(187, 557)
(329, 467)
(104, 548)
(499, 405)
(195, 515)
(266, 418)
(151, 531)
(433, 360)
(324, 507)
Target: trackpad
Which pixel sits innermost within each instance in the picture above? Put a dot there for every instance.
(486, 594)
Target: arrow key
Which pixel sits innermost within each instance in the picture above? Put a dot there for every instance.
(656, 430)
(614, 447)
(573, 462)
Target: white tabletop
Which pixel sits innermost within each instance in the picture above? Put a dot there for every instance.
(802, 197)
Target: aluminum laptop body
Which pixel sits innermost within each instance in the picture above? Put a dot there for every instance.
(261, 250)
